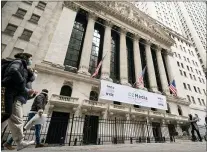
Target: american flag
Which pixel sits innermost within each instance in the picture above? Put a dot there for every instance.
(98, 67)
(172, 88)
(140, 79)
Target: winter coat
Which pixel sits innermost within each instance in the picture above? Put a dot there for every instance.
(194, 122)
(16, 75)
(39, 102)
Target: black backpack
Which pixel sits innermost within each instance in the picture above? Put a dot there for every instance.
(4, 64)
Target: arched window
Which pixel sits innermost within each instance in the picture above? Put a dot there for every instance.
(66, 91)
(93, 96)
(168, 108)
(180, 111)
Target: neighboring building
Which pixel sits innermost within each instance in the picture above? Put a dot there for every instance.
(186, 18)
(170, 16)
(69, 39)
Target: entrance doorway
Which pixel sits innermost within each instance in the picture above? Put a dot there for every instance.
(57, 128)
(90, 129)
(157, 131)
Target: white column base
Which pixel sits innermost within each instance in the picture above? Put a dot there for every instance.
(84, 70)
(105, 76)
(124, 81)
(155, 90)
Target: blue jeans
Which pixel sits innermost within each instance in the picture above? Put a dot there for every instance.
(37, 131)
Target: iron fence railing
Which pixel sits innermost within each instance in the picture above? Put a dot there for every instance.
(93, 130)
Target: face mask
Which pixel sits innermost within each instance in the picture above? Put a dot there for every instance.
(29, 62)
(35, 75)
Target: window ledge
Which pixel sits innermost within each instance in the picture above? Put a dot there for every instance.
(33, 22)
(23, 39)
(17, 16)
(3, 32)
(40, 7)
(27, 2)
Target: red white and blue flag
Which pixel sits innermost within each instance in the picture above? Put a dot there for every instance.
(98, 67)
(172, 88)
(140, 79)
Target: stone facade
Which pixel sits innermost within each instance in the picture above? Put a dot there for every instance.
(49, 44)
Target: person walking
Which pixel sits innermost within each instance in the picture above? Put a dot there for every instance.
(15, 80)
(23, 97)
(194, 126)
(38, 106)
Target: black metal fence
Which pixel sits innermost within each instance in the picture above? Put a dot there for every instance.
(93, 130)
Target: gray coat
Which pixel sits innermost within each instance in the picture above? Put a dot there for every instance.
(194, 122)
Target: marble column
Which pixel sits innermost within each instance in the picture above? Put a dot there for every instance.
(105, 73)
(163, 76)
(150, 68)
(167, 59)
(60, 40)
(137, 59)
(123, 58)
(87, 45)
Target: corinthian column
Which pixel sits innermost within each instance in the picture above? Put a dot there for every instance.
(162, 72)
(123, 59)
(169, 66)
(106, 51)
(87, 45)
(150, 68)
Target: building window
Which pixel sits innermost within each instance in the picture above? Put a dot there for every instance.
(199, 72)
(195, 88)
(130, 58)
(194, 77)
(190, 76)
(184, 58)
(93, 96)
(26, 35)
(199, 90)
(181, 73)
(180, 111)
(20, 13)
(189, 87)
(66, 91)
(168, 108)
(193, 99)
(184, 86)
(203, 102)
(73, 55)
(182, 65)
(179, 56)
(184, 73)
(114, 68)
(41, 5)
(188, 68)
(188, 98)
(178, 63)
(188, 60)
(34, 18)
(10, 29)
(199, 101)
(95, 52)
(191, 69)
(201, 61)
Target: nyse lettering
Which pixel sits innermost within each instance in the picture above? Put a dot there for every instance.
(109, 94)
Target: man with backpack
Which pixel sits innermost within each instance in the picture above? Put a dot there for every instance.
(14, 80)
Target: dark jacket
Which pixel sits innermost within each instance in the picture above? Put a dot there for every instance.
(24, 96)
(16, 75)
(39, 102)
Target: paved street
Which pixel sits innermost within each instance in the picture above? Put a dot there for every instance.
(152, 147)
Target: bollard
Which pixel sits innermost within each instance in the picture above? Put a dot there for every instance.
(140, 139)
(131, 142)
(148, 139)
(75, 142)
(99, 141)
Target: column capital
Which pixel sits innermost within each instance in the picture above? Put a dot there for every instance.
(123, 30)
(159, 48)
(92, 15)
(148, 42)
(70, 5)
(108, 23)
(137, 37)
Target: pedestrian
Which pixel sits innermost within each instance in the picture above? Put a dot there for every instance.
(194, 127)
(14, 81)
(38, 106)
(23, 97)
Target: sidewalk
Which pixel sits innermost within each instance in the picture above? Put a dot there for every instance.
(150, 147)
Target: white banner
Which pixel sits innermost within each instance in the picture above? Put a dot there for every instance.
(125, 94)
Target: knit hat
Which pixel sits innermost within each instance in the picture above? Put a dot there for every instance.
(24, 56)
(45, 91)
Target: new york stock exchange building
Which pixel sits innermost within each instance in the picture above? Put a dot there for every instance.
(107, 108)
